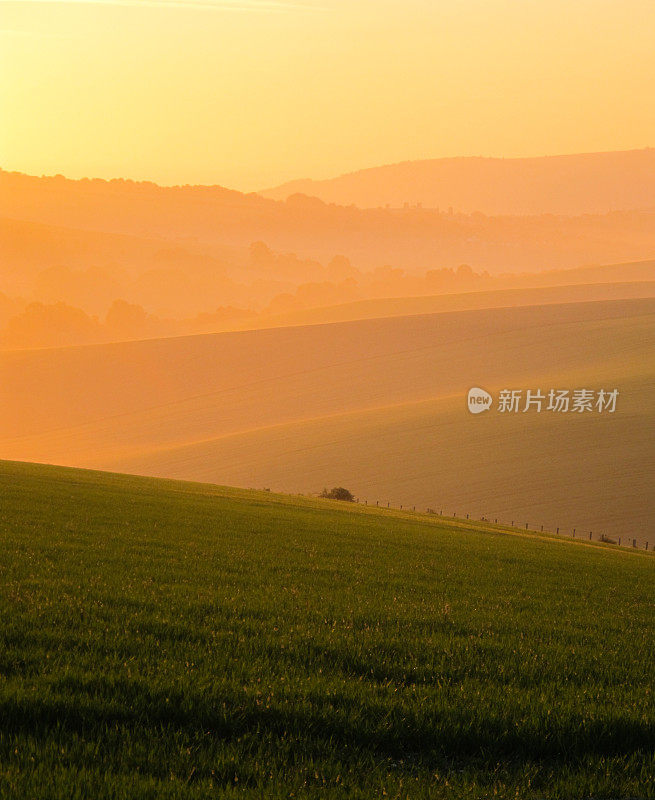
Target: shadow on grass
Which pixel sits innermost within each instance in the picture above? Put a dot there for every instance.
(320, 725)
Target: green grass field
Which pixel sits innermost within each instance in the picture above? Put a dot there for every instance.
(174, 640)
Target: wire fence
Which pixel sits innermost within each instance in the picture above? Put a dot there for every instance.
(629, 541)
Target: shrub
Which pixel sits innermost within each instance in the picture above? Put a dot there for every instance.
(338, 493)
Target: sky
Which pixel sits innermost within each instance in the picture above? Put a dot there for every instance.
(251, 93)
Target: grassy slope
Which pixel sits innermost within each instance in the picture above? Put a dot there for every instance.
(592, 473)
(376, 405)
(163, 639)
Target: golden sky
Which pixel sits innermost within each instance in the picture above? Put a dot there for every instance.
(249, 93)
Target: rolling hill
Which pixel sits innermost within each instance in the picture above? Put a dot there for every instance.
(179, 640)
(375, 405)
(586, 183)
(375, 308)
(214, 220)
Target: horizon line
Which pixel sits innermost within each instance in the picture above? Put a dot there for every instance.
(175, 185)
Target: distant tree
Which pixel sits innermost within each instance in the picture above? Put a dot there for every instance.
(51, 325)
(338, 493)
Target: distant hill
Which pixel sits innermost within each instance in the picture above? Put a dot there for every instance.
(588, 183)
(213, 220)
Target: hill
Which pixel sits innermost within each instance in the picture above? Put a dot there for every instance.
(587, 183)
(376, 405)
(172, 640)
(468, 301)
(212, 219)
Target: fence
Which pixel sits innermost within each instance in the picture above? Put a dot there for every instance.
(574, 533)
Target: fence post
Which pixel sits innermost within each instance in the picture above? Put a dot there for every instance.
(542, 527)
(558, 530)
(619, 541)
(589, 535)
(634, 542)
(526, 526)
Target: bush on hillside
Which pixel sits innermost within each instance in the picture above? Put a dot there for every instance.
(338, 493)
